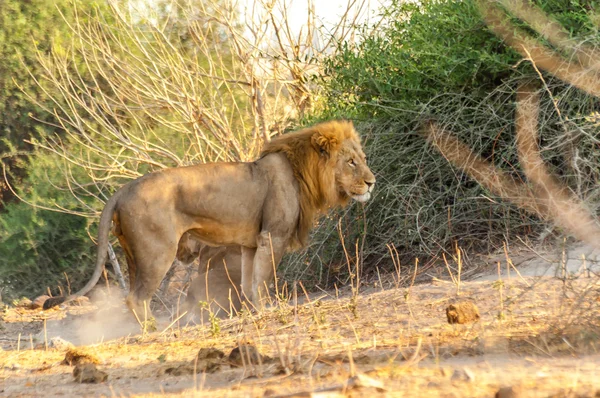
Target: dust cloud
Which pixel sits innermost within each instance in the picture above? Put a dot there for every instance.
(111, 320)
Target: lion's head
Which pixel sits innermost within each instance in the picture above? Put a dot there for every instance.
(330, 166)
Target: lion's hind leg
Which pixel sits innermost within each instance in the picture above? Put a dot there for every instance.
(217, 290)
(131, 266)
(150, 263)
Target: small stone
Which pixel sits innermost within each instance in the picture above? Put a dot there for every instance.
(462, 312)
(209, 366)
(510, 392)
(38, 302)
(60, 344)
(180, 370)
(88, 373)
(208, 360)
(209, 353)
(250, 353)
(463, 374)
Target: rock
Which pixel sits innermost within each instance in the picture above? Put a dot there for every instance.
(209, 353)
(60, 344)
(180, 370)
(76, 356)
(38, 302)
(250, 353)
(209, 360)
(88, 373)
(510, 392)
(463, 374)
(462, 312)
(23, 303)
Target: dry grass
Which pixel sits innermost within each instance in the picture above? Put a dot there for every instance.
(539, 334)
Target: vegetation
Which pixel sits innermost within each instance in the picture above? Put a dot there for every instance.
(132, 88)
(108, 93)
(439, 60)
(36, 246)
(453, 98)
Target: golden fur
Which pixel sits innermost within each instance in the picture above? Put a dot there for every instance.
(315, 173)
(266, 207)
(216, 289)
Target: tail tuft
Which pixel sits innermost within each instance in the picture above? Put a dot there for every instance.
(53, 302)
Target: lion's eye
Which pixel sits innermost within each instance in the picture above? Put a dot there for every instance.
(351, 162)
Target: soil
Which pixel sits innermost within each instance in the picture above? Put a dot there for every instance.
(536, 336)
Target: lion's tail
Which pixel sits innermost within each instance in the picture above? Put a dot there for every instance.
(103, 231)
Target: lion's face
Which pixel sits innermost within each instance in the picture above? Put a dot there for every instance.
(354, 178)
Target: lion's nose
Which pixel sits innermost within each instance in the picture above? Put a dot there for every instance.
(370, 183)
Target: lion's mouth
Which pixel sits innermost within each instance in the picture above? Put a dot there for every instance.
(362, 198)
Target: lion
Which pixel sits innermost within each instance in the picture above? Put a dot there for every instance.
(266, 207)
(188, 249)
(217, 288)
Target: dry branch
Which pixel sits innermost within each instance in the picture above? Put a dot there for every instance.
(561, 206)
(554, 32)
(582, 77)
(545, 196)
(482, 170)
(193, 82)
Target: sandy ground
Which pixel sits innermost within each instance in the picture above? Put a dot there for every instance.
(537, 336)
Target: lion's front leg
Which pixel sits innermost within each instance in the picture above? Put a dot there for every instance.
(269, 251)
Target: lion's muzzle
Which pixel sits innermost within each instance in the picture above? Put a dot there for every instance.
(367, 194)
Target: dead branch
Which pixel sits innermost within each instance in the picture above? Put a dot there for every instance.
(197, 83)
(545, 196)
(481, 170)
(554, 32)
(561, 206)
(584, 78)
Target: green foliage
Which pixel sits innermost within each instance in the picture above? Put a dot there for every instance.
(436, 59)
(426, 51)
(26, 28)
(110, 84)
(37, 247)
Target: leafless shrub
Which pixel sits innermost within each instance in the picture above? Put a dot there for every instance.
(175, 83)
(543, 194)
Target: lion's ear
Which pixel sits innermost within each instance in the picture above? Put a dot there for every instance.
(323, 143)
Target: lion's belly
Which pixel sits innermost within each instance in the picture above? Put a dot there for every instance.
(217, 234)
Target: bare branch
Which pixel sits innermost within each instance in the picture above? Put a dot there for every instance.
(584, 78)
(562, 207)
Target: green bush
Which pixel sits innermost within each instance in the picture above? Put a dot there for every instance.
(40, 248)
(438, 60)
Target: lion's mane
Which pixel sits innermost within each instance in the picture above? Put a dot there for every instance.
(312, 153)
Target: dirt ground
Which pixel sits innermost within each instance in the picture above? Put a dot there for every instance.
(537, 336)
